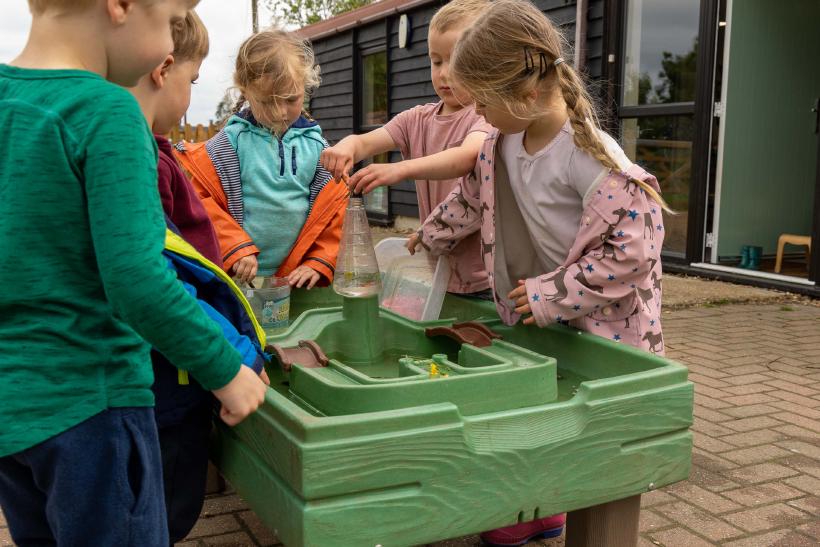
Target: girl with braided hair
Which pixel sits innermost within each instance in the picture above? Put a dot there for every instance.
(562, 211)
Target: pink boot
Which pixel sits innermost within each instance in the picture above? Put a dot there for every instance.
(519, 534)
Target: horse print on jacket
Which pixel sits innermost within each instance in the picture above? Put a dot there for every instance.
(612, 266)
(654, 339)
(439, 221)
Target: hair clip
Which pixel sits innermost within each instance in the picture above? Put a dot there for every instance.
(529, 62)
(558, 61)
(543, 65)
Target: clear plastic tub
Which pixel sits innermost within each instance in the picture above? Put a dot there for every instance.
(412, 285)
(271, 304)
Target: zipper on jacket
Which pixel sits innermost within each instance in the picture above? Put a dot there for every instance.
(293, 159)
(281, 158)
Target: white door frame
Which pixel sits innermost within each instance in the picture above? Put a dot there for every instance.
(722, 113)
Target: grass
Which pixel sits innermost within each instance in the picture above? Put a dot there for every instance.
(717, 303)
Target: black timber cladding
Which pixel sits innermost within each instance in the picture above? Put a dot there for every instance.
(334, 103)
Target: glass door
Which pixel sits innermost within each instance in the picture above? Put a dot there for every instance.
(765, 212)
(656, 106)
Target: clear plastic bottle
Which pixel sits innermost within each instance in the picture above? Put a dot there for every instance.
(357, 271)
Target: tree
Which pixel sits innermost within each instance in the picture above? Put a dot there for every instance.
(677, 77)
(225, 107)
(306, 12)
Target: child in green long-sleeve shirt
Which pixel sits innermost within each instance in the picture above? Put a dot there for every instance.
(86, 291)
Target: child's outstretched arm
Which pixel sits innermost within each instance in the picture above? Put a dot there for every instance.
(340, 159)
(448, 164)
(616, 256)
(120, 175)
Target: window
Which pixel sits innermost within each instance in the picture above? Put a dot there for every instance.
(374, 89)
(661, 50)
(657, 101)
(373, 114)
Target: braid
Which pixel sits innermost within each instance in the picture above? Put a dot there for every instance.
(584, 123)
(582, 116)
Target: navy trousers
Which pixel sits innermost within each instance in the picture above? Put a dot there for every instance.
(98, 483)
(184, 448)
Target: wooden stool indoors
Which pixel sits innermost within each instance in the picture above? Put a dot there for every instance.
(791, 239)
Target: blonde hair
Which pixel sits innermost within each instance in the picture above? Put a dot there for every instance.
(38, 7)
(190, 39)
(511, 51)
(458, 13)
(277, 60)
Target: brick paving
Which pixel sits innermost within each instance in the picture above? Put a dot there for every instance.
(755, 478)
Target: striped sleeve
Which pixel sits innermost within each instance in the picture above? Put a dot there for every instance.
(226, 162)
(320, 178)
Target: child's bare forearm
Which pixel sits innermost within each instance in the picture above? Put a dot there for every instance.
(452, 163)
(373, 143)
(449, 164)
(369, 144)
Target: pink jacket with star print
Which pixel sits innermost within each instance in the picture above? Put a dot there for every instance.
(610, 282)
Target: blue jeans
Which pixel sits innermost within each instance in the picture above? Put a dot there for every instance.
(98, 483)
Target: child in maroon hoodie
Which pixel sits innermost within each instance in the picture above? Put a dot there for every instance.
(182, 205)
(183, 412)
(164, 96)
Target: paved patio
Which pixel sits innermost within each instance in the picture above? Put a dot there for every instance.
(755, 477)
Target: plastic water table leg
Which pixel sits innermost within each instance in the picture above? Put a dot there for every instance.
(612, 524)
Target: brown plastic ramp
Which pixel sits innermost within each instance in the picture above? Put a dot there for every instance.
(306, 354)
(470, 332)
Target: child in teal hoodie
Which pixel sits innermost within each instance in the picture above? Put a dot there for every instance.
(266, 159)
(278, 175)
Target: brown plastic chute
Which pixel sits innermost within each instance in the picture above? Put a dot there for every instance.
(469, 332)
(306, 354)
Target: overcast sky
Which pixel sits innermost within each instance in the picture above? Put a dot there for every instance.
(228, 22)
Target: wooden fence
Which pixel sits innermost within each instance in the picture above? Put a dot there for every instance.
(193, 133)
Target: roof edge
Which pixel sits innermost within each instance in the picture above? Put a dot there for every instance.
(360, 16)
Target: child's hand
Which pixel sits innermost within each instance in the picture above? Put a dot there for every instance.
(245, 268)
(519, 295)
(338, 160)
(375, 175)
(241, 396)
(413, 242)
(303, 274)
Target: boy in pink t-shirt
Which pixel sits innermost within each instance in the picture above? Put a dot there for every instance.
(438, 142)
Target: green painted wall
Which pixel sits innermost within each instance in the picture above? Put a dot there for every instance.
(770, 148)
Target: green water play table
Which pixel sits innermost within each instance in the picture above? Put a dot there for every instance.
(369, 447)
